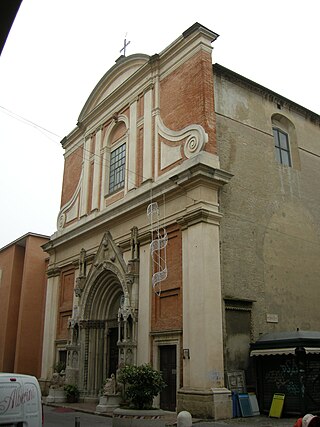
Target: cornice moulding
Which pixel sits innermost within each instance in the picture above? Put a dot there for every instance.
(138, 199)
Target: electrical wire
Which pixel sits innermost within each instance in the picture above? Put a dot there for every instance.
(98, 159)
(27, 121)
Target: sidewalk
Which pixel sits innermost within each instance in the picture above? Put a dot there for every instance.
(171, 417)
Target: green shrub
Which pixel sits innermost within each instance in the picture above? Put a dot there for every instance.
(59, 367)
(72, 391)
(142, 383)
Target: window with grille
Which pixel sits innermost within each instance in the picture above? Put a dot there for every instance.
(282, 149)
(117, 168)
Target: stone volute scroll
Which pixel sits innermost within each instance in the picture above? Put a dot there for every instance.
(175, 145)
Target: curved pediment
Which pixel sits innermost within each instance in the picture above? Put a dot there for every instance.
(124, 68)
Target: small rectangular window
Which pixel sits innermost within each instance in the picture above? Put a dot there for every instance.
(117, 168)
(281, 144)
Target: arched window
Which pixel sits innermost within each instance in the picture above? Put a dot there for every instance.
(117, 168)
(285, 141)
(116, 157)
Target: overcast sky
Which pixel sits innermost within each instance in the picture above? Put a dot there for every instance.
(58, 50)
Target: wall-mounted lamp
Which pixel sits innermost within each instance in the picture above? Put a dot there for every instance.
(186, 353)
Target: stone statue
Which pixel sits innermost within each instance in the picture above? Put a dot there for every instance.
(110, 386)
(54, 383)
(57, 380)
(111, 397)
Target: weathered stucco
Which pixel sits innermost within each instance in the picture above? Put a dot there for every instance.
(270, 230)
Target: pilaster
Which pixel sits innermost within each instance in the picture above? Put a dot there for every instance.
(50, 323)
(147, 135)
(85, 176)
(96, 172)
(203, 368)
(144, 315)
(132, 146)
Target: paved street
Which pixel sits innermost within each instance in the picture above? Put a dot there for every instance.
(56, 416)
(260, 421)
(66, 417)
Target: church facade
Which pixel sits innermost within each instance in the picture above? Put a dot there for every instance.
(149, 264)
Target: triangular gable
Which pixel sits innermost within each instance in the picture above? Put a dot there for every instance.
(108, 252)
(108, 257)
(124, 68)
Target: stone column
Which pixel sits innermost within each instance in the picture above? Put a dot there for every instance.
(203, 393)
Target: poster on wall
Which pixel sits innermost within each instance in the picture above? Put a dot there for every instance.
(236, 381)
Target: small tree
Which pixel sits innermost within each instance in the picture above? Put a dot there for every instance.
(143, 384)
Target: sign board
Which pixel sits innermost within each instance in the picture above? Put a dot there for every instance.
(254, 404)
(277, 405)
(245, 405)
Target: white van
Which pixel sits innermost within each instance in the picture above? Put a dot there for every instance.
(20, 401)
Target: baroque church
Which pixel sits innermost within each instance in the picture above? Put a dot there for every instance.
(180, 218)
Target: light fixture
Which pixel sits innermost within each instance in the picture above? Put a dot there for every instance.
(186, 353)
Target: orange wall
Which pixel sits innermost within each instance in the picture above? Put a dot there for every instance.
(11, 264)
(30, 326)
(22, 297)
(167, 307)
(187, 97)
(65, 302)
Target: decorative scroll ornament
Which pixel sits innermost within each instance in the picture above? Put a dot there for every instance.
(157, 248)
(188, 141)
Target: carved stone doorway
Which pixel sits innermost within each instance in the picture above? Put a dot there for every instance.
(106, 315)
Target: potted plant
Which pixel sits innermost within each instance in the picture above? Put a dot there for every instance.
(141, 384)
(72, 393)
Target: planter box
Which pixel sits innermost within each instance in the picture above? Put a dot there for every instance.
(138, 418)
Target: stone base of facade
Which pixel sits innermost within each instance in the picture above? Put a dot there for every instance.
(108, 402)
(44, 386)
(138, 418)
(89, 399)
(215, 403)
(56, 396)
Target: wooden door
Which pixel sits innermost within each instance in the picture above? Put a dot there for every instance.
(113, 351)
(168, 367)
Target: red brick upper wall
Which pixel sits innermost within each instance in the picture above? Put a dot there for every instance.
(186, 97)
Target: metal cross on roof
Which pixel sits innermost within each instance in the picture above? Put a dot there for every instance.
(125, 44)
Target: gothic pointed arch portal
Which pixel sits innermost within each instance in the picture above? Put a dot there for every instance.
(107, 315)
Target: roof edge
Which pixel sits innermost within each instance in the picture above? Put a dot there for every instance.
(25, 236)
(273, 96)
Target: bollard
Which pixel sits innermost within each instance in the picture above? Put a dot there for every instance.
(77, 422)
(184, 419)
